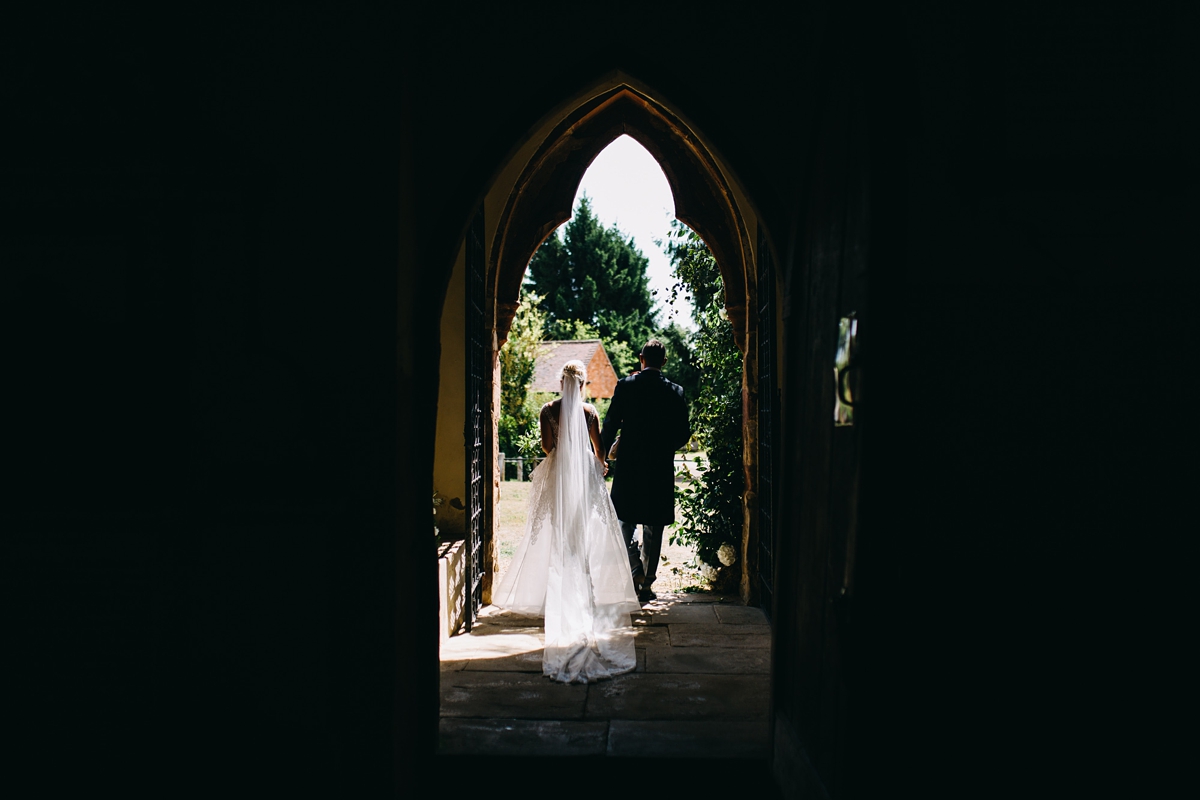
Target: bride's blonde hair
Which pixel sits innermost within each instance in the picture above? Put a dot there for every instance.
(576, 370)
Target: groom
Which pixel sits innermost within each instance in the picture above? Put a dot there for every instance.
(652, 416)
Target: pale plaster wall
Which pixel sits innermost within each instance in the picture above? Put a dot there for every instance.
(449, 459)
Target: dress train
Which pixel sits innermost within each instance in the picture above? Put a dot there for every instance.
(572, 569)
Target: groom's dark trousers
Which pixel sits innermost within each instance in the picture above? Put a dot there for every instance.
(651, 415)
(644, 572)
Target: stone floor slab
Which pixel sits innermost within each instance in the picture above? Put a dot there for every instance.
(502, 628)
(698, 613)
(740, 615)
(521, 662)
(648, 636)
(752, 636)
(519, 737)
(648, 696)
(717, 628)
(710, 660)
(491, 615)
(742, 738)
(686, 639)
(517, 695)
(470, 646)
(692, 598)
(498, 628)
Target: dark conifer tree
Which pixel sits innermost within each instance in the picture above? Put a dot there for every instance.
(595, 279)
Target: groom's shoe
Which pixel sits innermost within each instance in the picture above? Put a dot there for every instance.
(645, 593)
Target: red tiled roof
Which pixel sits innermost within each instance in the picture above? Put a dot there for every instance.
(552, 356)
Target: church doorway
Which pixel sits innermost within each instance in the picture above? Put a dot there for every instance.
(531, 196)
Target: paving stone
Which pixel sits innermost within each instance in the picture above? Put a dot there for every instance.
(520, 737)
(521, 662)
(677, 697)
(695, 598)
(700, 613)
(504, 695)
(499, 627)
(740, 615)
(685, 639)
(738, 738)
(470, 646)
(650, 636)
(712, 660)
(717, 635)
(490, 615)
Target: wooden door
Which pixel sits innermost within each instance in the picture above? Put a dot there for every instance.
(816, 519)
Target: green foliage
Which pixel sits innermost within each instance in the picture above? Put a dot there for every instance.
(623, 355)
(711, 505)
(518, 357)
(698, 278)
(681, 361)
(570, 330)
(529, 444)
(595, 286)
(601, 404)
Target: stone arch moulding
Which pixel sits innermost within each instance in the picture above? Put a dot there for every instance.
(542, 198)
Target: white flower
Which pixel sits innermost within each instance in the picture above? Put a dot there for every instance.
(707, 572)
(726, 555)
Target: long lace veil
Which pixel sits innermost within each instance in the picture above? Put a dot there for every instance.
(573, 456)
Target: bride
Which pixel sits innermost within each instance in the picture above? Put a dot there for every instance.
(572, 567)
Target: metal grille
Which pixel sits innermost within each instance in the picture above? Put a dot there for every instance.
(475, 433)
(767, 401)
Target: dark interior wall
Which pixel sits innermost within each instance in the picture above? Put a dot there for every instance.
(1017, 482)
(201, 290)
(225, 242)
(222, 378)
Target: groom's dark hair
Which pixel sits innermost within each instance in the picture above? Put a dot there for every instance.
(654, 353)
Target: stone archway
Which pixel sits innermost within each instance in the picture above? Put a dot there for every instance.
(707, 198)
(542, 197)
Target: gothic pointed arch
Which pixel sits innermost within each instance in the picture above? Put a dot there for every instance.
(543, 195)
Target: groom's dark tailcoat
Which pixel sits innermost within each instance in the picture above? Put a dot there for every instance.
(651, 415)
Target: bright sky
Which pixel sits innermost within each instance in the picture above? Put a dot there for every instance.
(628, 188)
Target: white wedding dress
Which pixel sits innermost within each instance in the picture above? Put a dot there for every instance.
(571, 568)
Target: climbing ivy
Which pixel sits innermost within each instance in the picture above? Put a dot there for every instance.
(711, 506)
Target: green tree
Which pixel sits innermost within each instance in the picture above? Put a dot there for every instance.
(711, 506)
(594, 279)
(681, 361)
(518, 358)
